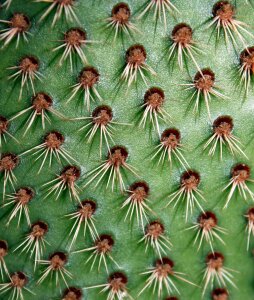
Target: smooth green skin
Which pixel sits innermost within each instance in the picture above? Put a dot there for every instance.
(109, 58)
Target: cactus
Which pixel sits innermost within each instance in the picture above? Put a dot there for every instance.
(126, 149)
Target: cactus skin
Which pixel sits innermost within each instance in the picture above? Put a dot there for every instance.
(108, 58)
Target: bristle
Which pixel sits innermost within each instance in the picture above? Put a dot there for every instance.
(61, 9)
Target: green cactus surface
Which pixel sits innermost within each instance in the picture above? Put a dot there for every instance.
(108, 55)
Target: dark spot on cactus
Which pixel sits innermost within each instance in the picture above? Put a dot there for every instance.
(88, 77)
(215, 260)
(247, 59)
(70, 174)
(182, 34)
(4, 124)
(87, 209)
(65, 2)
(136, 55)
(104, 244)
(121, 13)
(3, 249)
(58, 260)
(102, 115)
(154, 98)
(72, 293)
(171, 298)
(24, 195)
(223, 126)
(240, 172)
(20, 22)
(204, 81)
(118, 281)
(54, 140)
(118, 155)
(164, 267)
(19, 280)
(171, 138)
(8, 162)
(207, 220)
(41, 101)
(220, 294)
(39, 229)
(250, 215)
(190, 180)
(29, 64)
(75, 37)
(155, 229)
(139, 191)
(224, 10)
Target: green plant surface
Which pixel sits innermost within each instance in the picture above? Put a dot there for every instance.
(108, 57)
